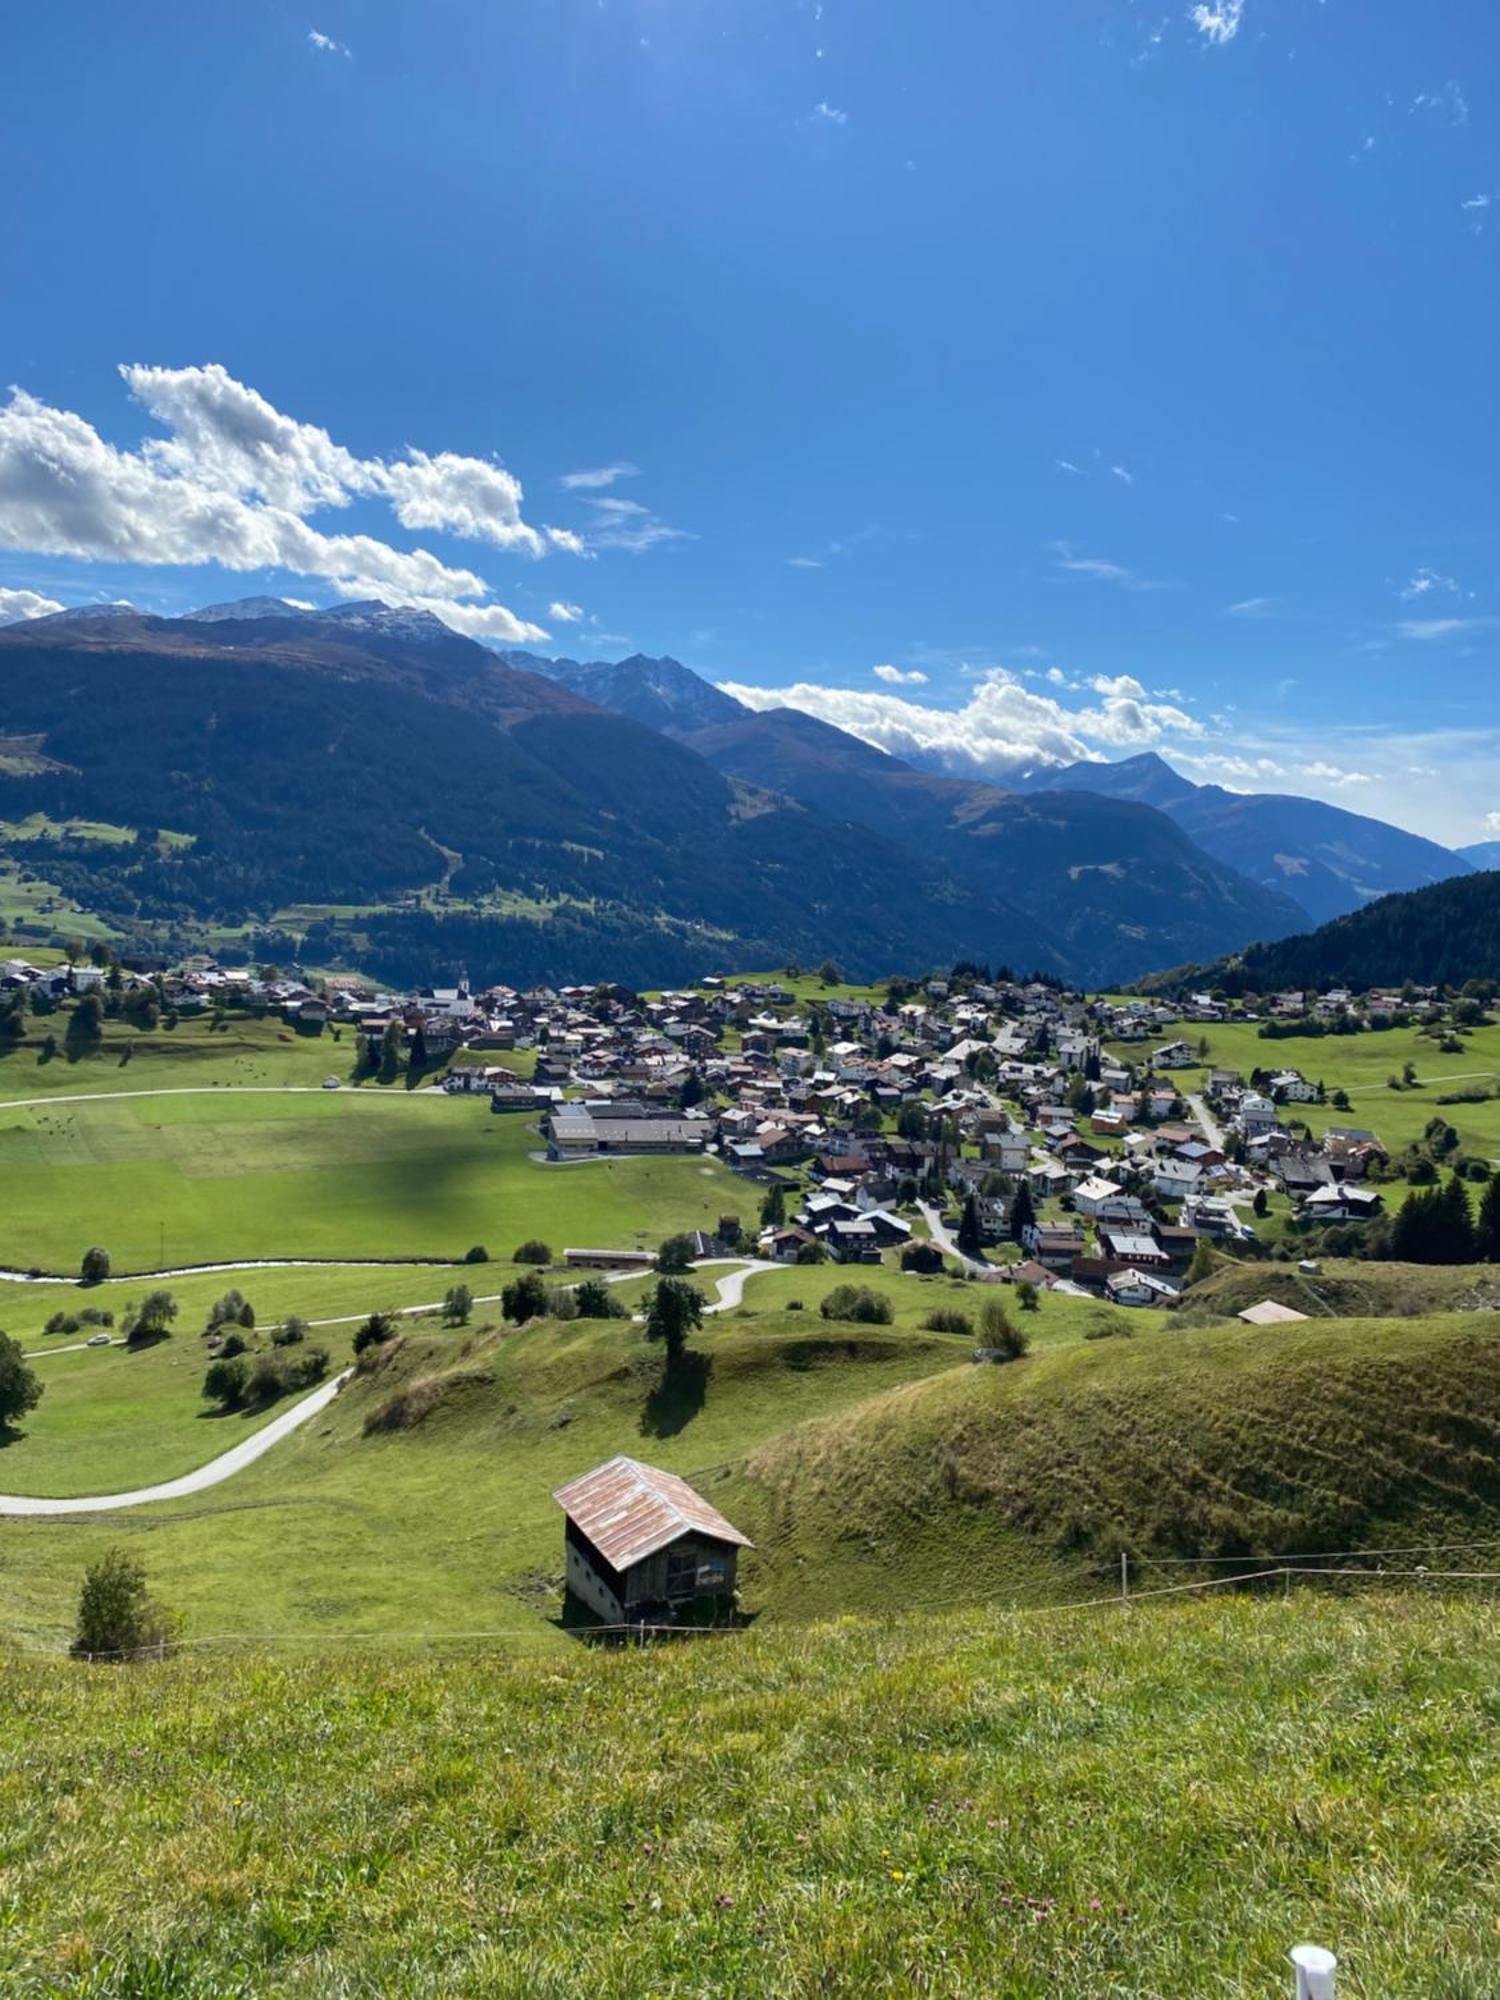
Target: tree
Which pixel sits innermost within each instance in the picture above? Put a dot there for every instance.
(828, 972)
(1261, 1204)
(150, 1320)
(532, 1251)
(922, 1257)
(673, 1310)
(20, 1390)
(477, 1255)
(676, 1254)
(291, 1332)
(1022, 1210)
(1026, 1296)
(1204, 1262)
(458, 1303)
(229, 1309)
(392, 1049)
(692, 1091)
(226, 1381)
(997, 1330)
(117, 1619)
(773, 1206)
(970, 1235)
(379, 1328)
(595, 1300)
(87, 1023)
(1487, 1228)
(524, 1298)
(95, 1267)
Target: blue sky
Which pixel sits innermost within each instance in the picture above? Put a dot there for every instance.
(1009, 381)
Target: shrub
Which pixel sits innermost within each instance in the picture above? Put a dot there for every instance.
(20, 1390)
(533, 1251)
(458, 1303)
(291, 1332)
(856, 1302)
(92, 1316)
(998, 1331)
(226, 1381)
(232, 1344)
(62, 1322)
(95, 1267)
(924, 1258)
(477, 1255)
(523, 1299)
(1027, 1297)
(117, 1620)
(676, 1254)
(947, 1319)
(375, 1331)
(150, 1320)
(596, 1300)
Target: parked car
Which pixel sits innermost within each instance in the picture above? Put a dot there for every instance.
(330, 1083)
(98, 1340)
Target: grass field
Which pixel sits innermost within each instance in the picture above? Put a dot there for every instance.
(1360, 1065)
(195, 1055)
(875, 1468)
(168, 1180)
(1085, 1805)
(448, 1526)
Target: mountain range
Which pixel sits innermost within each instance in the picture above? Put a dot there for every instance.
(395, 793)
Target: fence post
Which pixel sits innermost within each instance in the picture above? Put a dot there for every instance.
(1315, 1970)
(1124, 1577)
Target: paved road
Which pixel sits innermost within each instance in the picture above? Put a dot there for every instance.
(1206, 1124)
(943, 1237)
(224, 1090)
(730, 1289)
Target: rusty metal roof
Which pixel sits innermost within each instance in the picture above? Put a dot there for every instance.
(629, 1511)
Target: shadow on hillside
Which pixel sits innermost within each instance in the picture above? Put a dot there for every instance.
(678, 1396)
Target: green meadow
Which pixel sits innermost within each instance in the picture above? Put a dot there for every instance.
(1086, 1805)
(1360, 1065)
(211, 1178)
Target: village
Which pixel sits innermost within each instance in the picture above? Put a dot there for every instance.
(1029, 1134)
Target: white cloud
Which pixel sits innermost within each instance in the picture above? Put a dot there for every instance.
(830, 115)
(1120, 472)
(1437, 628)
(895, 677)
(231, 484)
(565, 614)
(1067, 465)
(592, 478)
(1428, 580)
(1330, 774)
(626, 524)
(1476, 201)
(18, 604)
(1219, 21)
(806, 562)
(1097, 568)
(1492, 822)
(325, 44)
(1254, 607)
(1449, 102)
(1002, 727)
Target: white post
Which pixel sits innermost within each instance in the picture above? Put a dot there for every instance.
(1124, 1575)
(1315, 1970)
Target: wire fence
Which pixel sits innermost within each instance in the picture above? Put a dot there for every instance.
(1262, 1575)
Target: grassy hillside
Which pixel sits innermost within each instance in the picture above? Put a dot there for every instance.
(435, 1518)
(1349, 1288)
(1086, 1805)
(876, 1468)
(206, 1178)
(194, 1055)
(1223, 1441)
